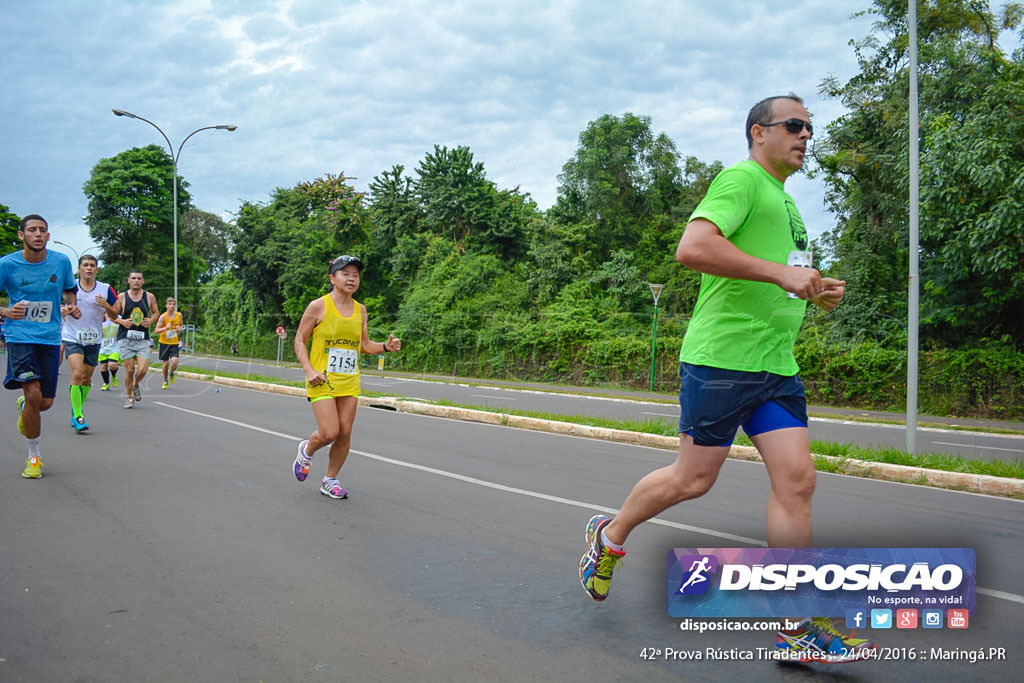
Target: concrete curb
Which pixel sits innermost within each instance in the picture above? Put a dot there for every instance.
(974, 483)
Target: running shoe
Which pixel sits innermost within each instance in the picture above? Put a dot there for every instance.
(164, 386)
(301, 466)
(137, 393)
(130, 403)
(105, 387)
(172, 378)
(21, 420)
(817, 640)
(79, 424)
(33, 468)
(332, 487)
(598, 562)
(114, 380)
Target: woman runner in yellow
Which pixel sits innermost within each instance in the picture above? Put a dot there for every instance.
(337, 323)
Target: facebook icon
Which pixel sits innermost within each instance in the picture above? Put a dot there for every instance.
(855, 618)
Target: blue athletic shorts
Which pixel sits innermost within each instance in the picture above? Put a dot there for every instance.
(714, 403)
(31, 363)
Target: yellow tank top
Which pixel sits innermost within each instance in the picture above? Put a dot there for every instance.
(334, 351)
(170, 336)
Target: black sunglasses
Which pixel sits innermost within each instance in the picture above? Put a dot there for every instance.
(793, 126)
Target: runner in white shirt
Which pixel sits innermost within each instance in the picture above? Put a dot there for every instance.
(81, 337)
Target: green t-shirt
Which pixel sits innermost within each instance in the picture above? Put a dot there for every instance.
(740, 324)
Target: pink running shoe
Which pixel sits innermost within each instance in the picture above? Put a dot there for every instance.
(301, 467)
(332, 487)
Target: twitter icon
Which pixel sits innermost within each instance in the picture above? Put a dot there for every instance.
(881, 618)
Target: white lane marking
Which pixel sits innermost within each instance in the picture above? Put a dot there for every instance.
(1001, 595)
(482, 482)
(495, 398)
(902, 428)
(971, 445)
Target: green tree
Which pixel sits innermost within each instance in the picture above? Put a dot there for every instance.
(208, 237)
(622, 178)
(971, 208)
(8, 231)
(131, 218)
(459, 203)
(283, 248)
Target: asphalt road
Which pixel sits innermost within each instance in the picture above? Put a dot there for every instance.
(172, 543)
(969, 444)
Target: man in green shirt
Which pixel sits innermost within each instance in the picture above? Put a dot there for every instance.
(737, 368)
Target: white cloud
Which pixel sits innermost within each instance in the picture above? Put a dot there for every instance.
(318, 86)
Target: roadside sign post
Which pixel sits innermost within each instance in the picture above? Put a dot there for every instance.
(656, 294)
(282, 334)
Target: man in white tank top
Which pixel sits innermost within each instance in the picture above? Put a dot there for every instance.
(81, 336)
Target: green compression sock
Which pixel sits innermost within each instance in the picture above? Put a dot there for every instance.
(76, 400)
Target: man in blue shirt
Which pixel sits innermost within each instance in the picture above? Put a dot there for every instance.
(38, 282)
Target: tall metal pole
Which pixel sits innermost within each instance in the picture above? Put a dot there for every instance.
(913, 295)
(174, 184)
(656, 293)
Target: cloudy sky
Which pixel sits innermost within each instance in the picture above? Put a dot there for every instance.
(325, 86)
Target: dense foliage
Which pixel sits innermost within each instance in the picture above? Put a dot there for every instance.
(972, 177)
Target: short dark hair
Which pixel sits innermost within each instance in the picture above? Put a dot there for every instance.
(32, 217)
(88, 257)
(761, 113)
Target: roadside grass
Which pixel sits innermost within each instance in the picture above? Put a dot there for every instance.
(934, 461)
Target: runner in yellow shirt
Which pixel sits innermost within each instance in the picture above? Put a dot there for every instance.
(168, 325)
(337, 324)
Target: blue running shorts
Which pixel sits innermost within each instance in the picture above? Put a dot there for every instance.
(714, 403)
(33, 363)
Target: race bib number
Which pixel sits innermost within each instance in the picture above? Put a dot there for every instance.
(39, 311)
(171, 334)
(342, 361)
(803, 260)
(800, 258)
(88, 337)
(135, 335)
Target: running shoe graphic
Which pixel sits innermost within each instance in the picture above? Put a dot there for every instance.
(301, 467)
(817, 640)
(33, 468)
(332, 487)
(598, 563)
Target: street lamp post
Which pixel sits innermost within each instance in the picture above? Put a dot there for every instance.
(174, 184)
(656, 293)
(65, 244)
